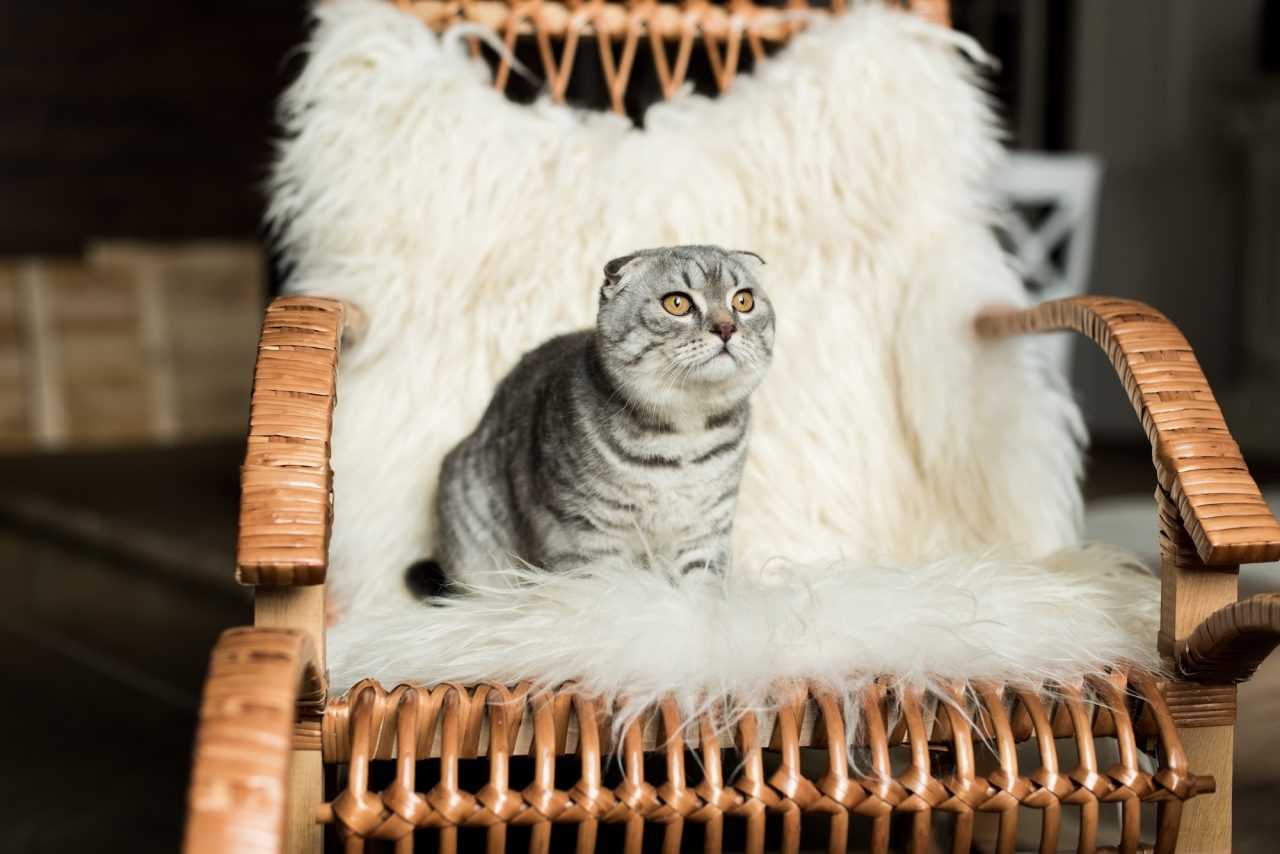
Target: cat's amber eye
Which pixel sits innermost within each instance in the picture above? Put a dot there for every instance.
(744, 301)
(677, 304)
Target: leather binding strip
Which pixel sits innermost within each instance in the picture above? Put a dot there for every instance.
(1194, 705)
(286, 485)
(259, 680)
(1232, 642)
(1197, 462)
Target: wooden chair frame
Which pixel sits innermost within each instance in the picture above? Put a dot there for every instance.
(267, 727)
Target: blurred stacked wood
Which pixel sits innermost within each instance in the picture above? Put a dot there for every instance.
(14, 405)
(133, 344)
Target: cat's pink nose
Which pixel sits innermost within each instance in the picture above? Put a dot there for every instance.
(725, 330)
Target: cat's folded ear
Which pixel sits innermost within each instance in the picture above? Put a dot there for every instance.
(613, 275)
(747, 252)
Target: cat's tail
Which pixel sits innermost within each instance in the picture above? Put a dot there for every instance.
(426, 580)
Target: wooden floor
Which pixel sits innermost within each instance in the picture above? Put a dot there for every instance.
(115, 578)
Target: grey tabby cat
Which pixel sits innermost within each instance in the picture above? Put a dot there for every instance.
(625, 442)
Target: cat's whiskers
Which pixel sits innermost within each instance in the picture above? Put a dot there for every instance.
(686, 368)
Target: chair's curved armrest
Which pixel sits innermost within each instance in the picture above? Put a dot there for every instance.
(239, 780)
(286, 485)
(1197, 462)
(1232, 641)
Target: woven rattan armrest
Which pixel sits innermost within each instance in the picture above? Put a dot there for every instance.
(1197, 462)
(258, 680)
(1232, 641)
(286, 485)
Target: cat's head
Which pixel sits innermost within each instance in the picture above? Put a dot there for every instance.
(685, 326)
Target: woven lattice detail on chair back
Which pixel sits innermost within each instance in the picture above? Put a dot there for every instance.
(669, 33)
(780, 778)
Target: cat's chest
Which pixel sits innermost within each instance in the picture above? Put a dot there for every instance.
(672, 506)
(672, 510)
(677, 485)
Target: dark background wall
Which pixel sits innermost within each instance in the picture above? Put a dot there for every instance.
(151, 119)
(136, 118)
(1157, 89)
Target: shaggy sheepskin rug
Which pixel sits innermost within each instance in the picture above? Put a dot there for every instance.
(633, 638)
(910, 502)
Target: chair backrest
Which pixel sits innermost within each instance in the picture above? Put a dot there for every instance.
(668, 32)
(858, 160)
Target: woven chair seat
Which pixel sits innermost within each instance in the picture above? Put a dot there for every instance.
(790, 762)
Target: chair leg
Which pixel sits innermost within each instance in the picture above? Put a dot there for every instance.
(1206, 819)
(305, 835)
(1191, 592)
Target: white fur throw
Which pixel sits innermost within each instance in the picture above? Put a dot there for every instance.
(891, 449)
(633, 637)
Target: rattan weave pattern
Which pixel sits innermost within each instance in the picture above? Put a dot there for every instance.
(1209, 662)
(720, 29)
(286, 484)
(1197, 462)
(259, 680)
(1233, 641)
(458, 724)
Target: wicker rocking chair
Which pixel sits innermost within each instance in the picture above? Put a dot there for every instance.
(443, 758)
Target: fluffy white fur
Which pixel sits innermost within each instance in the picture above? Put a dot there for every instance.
(890, 447)
(634, 637)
